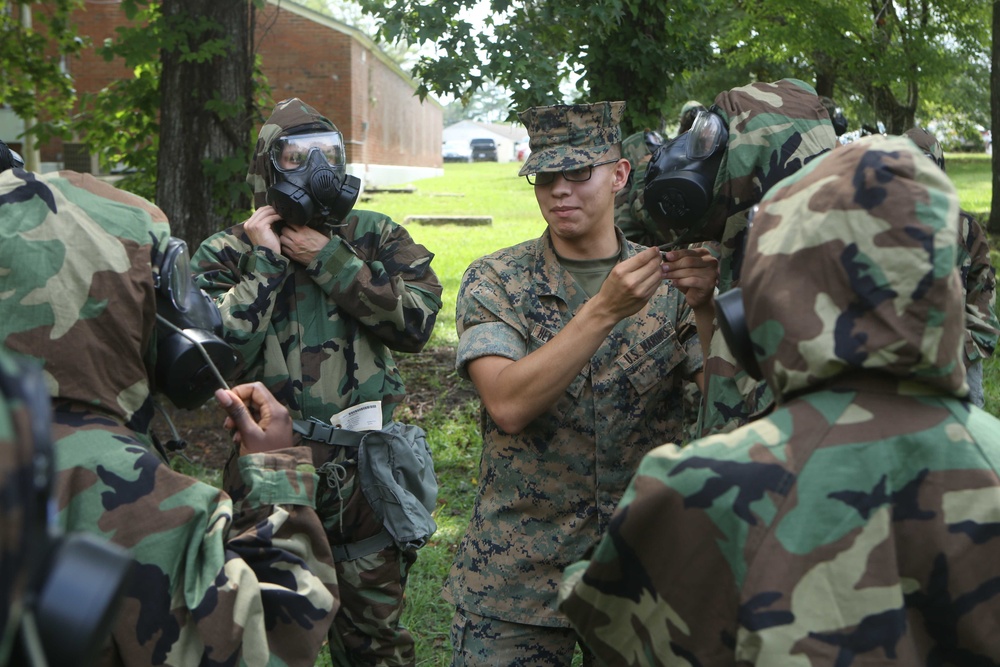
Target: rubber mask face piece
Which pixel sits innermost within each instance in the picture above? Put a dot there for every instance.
(312, 186)
(680, 180)
(731, 316)
(188, 332)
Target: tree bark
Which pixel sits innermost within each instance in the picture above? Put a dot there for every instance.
(206, 117)
(993, 225)
(897, 116)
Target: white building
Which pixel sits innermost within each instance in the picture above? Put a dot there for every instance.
(509, 137)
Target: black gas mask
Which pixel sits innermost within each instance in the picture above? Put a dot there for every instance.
(731, 316)
(61, 591)
(680, 180)
(9, 158)
(311, 183)
(730, 313)
(192, 360)
(839, 121)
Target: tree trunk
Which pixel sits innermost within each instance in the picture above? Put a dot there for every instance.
(206, 116)
(898, 117)
(993, 225)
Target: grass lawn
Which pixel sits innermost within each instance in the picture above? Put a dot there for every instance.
(466, 189)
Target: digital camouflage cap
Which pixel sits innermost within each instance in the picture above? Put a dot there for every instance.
(569, 136)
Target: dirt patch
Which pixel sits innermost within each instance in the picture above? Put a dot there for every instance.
(432, 385)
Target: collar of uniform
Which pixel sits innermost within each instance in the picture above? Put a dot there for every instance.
(551, 278)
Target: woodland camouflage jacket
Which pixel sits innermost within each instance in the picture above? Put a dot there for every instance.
(980, 286)
(978, 274)
(319, 336)
(774, 129)
(215, 581)
(857, 524)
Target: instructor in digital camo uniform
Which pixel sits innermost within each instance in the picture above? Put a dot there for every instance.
(857, 523)
(579, 350)
(316, 295)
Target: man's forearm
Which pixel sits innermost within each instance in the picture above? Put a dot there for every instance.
(517, 392)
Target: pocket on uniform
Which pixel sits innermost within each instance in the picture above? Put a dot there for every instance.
(459, 634)
(650, 360)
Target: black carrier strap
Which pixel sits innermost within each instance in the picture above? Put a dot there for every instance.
(314, 429)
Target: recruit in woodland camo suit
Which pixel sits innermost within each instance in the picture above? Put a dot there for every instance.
(546, 493)
(858, 523)
(319, 337)
(978, 280)
(774, 129)
(248, 582)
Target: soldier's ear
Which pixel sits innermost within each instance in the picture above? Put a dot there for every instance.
(622, 171)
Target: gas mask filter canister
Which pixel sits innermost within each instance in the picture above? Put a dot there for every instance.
(192, 360)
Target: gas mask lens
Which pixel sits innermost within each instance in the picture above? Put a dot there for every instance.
(291, 153)
(705, 135)
(175, 273)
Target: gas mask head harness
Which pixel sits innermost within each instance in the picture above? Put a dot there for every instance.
(61, 591)
(311, 183)
(653, 140)
(192, 360)
(680, 180)
(730, 314)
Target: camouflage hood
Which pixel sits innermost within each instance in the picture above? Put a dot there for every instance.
(635, 149)
(774, 128)
(288, 114)
(926, 142)
(76, 285)
(863, 242)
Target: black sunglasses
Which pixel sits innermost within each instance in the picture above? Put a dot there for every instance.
(577, 175)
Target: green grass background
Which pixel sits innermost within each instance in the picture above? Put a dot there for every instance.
(492, 189)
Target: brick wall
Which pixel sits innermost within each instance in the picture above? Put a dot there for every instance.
(90, 72)
(369, 100)
(338, 71)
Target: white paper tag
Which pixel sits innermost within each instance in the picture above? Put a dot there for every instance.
(363, 417)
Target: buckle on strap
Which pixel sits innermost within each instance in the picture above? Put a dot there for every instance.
(361, 548)
(318, 431)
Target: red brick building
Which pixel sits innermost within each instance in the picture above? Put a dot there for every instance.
(391, 137)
